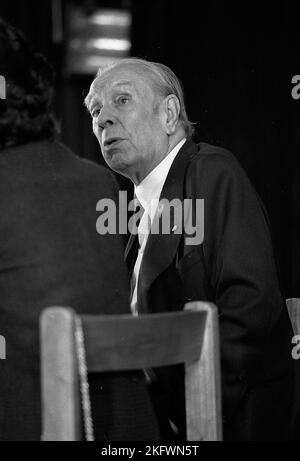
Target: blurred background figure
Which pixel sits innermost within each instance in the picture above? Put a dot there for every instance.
(51, 254)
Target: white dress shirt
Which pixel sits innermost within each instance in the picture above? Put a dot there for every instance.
(148, 194)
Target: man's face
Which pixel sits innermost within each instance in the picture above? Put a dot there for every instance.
(128, 122)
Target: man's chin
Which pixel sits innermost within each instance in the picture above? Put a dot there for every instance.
(116, 164)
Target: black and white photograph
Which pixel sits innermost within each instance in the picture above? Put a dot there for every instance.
(149, 223)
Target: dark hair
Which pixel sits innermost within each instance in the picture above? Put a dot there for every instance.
(26, 114)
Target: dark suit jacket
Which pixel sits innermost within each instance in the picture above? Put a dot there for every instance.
(234, 268)
(51, 254)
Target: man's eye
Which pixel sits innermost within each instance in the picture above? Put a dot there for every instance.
(123, 100)
(95, 113)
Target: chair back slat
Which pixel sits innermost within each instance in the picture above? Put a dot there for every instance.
(203, 382)
(130, 343)
(60, 383)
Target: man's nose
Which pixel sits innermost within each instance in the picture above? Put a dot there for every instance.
(105, 118)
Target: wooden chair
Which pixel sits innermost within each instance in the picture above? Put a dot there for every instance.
(125, 342)
(293, 306)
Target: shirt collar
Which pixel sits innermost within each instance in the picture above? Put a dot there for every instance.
(151, 186)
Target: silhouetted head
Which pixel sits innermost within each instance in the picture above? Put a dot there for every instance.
(26, 114)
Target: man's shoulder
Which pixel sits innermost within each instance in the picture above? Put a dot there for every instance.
(217, 159)
(212, 167)
(85, 165)
(86, 173)
(52, 164)
(212, 153)
(50, 156)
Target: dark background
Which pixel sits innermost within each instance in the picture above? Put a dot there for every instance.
(236, 62)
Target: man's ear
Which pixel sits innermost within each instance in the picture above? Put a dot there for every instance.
(171, 112)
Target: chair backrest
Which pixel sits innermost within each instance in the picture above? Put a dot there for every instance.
(293, 305)
(125, 342)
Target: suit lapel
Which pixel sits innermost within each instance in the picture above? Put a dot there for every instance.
(161, 248)
(131, 252)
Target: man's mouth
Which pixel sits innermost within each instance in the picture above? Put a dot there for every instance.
(111, 142)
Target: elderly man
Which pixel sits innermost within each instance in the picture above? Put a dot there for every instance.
(140, 121)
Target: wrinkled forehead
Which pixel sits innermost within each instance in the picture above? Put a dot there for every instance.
(121, 77)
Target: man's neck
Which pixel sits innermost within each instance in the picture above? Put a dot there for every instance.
(173, 141)
(149, 190)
